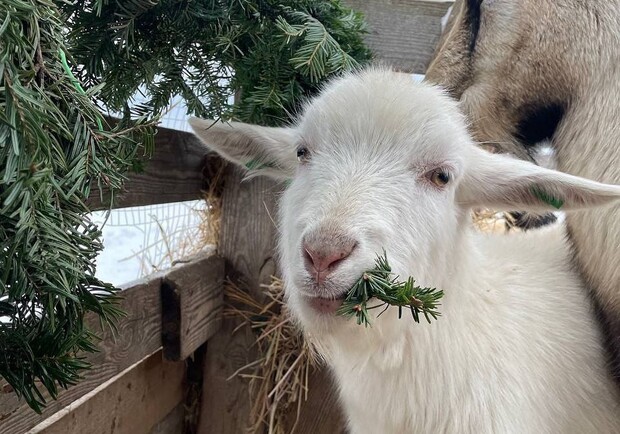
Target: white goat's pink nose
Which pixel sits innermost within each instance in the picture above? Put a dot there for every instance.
(323, 253)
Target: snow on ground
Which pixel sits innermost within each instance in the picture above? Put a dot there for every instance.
(141, 240)
(112, 264)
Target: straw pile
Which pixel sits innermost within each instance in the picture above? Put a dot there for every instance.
(278, 379)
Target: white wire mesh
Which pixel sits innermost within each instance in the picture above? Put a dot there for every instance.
(176, 118)
(140, 240)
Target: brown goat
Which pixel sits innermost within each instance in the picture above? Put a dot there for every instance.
(532, 70)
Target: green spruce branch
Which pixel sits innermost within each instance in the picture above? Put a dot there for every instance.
(54, 148)
(270, 54)
(381, 284)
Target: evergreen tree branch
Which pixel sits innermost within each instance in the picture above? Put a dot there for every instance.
(50, 154)
(272, 53)
(380, 284)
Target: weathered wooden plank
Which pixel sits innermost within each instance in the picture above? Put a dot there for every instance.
(192, 301)
(402, 33)
(174, 173)
(139, 334)
(131, 403)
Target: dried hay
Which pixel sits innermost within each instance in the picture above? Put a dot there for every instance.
(486, 220)
(210, 224)
(278, 379)
(209, 227)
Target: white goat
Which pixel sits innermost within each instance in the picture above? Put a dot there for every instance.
(380, 162)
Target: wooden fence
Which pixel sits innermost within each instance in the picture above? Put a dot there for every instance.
(173, 349)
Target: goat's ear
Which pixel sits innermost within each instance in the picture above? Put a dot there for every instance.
(503, 183)
(265, 151)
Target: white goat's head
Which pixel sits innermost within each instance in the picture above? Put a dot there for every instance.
(380, 162)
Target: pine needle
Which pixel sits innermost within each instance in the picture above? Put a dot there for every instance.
(381, 284)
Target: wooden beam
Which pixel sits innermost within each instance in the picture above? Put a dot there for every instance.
(402, 33)
(134, 402)
(192, 301)
(174, 173)
(139, 334)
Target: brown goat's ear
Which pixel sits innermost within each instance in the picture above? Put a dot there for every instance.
(261, 150)
(502, 183)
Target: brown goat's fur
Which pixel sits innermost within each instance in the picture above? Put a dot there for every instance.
(506, 59)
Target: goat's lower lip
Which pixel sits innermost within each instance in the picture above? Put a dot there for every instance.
(325, 305)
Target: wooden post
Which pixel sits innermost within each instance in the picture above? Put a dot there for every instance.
(247, 236)
(192, 300)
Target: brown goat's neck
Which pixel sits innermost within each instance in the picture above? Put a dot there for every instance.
(587, 145)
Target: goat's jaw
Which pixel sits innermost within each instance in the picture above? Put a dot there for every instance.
(314, 313)
(320, 303)
(327, 306)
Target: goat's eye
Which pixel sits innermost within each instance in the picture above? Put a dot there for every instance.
(439, 177)
(303, 154)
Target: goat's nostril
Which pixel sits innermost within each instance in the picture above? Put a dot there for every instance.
(308, 257)
(341, 255)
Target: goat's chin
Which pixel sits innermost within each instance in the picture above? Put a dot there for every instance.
(313, 311)
(316, 318)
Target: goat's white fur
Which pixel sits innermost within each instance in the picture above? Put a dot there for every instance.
(516, 349)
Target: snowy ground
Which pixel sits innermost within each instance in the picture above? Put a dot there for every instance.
(138, 241)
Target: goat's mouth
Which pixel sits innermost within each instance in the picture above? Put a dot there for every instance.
(326, 305)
